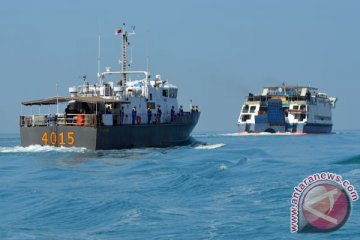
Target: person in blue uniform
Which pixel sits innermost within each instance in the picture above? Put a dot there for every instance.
(172, 113)
(181, 111)
(133, 115)
(67, 110)
(158, 114)
(308, 95)
(122, 115)
(149, 114)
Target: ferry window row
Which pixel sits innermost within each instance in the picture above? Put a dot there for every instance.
(247, 107)
(296, 107)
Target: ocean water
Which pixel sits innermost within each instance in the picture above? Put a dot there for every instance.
(223, 186)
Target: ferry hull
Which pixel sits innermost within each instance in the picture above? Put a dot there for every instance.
(300, 128)
(111, 137)
(317, 128)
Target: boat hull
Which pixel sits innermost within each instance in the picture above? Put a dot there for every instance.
(111, 137)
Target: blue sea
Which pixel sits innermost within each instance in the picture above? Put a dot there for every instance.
(223, 186)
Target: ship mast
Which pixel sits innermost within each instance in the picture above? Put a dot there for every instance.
(125, 43)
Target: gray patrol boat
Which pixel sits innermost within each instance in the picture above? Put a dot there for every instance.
(136, 111)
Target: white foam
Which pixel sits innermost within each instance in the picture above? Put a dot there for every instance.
(209, 146)
(259, 134)
(38, 148)
(222, 167)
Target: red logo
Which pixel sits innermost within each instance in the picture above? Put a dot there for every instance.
(325, 207)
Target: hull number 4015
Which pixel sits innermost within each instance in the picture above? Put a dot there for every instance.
(60, 138)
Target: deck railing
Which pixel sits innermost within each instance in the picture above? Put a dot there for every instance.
(93, 120)
(59, 119)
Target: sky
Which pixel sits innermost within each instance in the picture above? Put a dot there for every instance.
(216, 52)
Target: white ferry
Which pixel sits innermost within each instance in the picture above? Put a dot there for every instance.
(287, 109)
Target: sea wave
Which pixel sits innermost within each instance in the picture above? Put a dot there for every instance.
(205, 135)
(209, 146)
(350, 160)
(38, 148)
(183, 187)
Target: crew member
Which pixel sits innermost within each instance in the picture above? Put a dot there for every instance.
(149, 114)
(181, 111)
(108, 111)
(308, 95)
(67, 110)
(193, 109)
(133, 115)
(122, 115)
(172, 113)
(158, 114)
(196, 109)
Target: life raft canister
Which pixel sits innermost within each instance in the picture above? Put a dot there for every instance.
(80, 119)
(138, 119)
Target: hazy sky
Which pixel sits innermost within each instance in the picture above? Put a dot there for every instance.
(214, 51)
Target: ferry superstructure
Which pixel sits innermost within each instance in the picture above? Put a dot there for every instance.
(134, 111)
(295, 109)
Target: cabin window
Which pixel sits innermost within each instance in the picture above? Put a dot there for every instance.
(296, 107)
(252, 109)
(165, 93)
(137, 92)
(245, 117)
(107, 90)
(245, 109)
(300, 117)
(302, 107)
(173, 93)
(150, 105)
